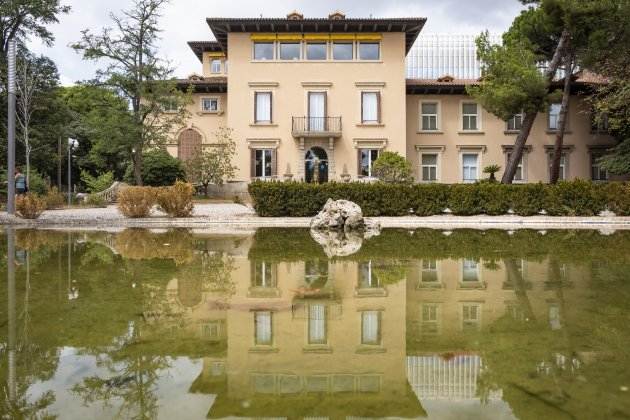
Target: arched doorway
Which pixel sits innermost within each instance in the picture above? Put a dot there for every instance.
(189, 144)
(316, 165)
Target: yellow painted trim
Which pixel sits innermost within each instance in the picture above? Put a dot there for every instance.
(216, 54)
(317, 37)
(290, 37)
(369, 37)
(263, 37)
(338, 37)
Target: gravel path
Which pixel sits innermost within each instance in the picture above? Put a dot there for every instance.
(219, 216)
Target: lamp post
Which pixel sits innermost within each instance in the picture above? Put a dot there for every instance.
(71, 144)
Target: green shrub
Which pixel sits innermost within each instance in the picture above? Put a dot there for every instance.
(392, 167)
(136, 201)
(54, 199)
(160, 169)
(97, 183)
(176, 200)
(37, 184)
(578, 198)
(29, 205)
(529, 199)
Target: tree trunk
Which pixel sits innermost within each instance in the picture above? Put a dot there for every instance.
(205, 190)
(519, 146)
(562, 122)
(137, 166)
(530, 117)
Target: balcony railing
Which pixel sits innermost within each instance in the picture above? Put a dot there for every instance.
(316, 126)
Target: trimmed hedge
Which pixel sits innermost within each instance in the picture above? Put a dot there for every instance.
(570, 198)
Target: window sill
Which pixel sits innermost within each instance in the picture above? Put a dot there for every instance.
(317, 348)
(511, 132)
(471, 132)
(370, 125)
(549, 131)
(370, 349)
(263, 125)
(263, 349)
(210, 112)
(424, 181)
(430, 132)
(328, 60)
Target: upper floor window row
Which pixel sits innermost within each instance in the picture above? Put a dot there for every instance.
(295, 50)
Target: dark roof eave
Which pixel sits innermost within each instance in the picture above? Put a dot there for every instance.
(220, 27)
(199, 47)
(203, 86)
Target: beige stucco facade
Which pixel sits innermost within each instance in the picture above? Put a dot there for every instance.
(340, 144)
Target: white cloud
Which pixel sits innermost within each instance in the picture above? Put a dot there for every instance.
(184, 20)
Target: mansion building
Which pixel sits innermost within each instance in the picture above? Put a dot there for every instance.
(319, 99)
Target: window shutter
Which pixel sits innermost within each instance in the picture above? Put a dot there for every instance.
(271, 107)
(378, 105)
(362, 96)
(274, 162)
(358, 162)
(255, 107)
(252, 163)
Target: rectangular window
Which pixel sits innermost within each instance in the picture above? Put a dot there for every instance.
(470, 271)
(429, 166)
(316, 51)
(263, 162)
(599, 122)
(554, 116)
(470, 117)
(262, 103)
(215, 66)
(263, 328)
(209, 104)
(597, 172)
(371, 328)
(519, 175)
(290, 50)
(471, 316)
(515, 123)
(429, 271)
(370, 107)
(367, 277)
(170, 105)
(367, 159)
(470, 167)
(429, 112)
(263, 275)
(317, 324)
(430, 319)
(562, 175)
(343, 51)
(263, 50)
(369, 51)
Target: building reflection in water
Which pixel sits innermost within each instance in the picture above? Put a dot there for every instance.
(344, 337)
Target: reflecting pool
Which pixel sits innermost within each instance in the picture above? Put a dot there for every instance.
(415, 324)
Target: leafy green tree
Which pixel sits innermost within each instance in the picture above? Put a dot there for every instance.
(159, 169)
(98, 183)
(393, 168)
(213, 165)
(136, 72)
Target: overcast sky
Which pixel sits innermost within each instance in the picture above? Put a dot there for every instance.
(184, 20)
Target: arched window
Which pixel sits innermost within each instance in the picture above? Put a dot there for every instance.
(189, 144)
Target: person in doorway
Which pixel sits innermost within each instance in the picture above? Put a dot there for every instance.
(20, 182)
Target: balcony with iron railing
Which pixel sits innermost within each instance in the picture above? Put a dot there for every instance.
(316, 126)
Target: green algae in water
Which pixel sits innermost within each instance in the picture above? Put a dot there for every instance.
(176, 324)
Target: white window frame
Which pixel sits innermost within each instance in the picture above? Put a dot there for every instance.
(437, 321)
(270, 342)
(557, 117)
(477, 320)
(214, 61)
(462, 115)
(292, 42)
(332, 49)
(315, 42)
(210, 98)
(522, 165)
(379, 328)
(477, 269)
(370, 163)
(379, 99)
(437, 167)
(438, 274)
(255, 97)
(564, 165)
(438, 119)
(264, 162)
(461, 165)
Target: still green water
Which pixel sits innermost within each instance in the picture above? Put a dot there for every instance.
(414, 324)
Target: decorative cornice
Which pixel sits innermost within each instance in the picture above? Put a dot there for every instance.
(317, 84)
(363, 143)
(430, 148)
(263, 84)
(369, 84)
(473, 147)
(509, 147)
(565, 148)
(259, 143)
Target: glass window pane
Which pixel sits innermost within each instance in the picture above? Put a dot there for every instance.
(259, 169)
(317, 324)
(470, 109)
(268, 163)
(429, 159)
(289, 51)
(429, 108)
(369, 51)
(263, 107)
(342, 51)
(370, 327)
(315, 51)
(369, 107)
(263, 51)
(262, 319)
(215, 66)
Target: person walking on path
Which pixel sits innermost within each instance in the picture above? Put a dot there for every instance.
(20, 182)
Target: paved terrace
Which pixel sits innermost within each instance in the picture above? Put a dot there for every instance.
(228, 216)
